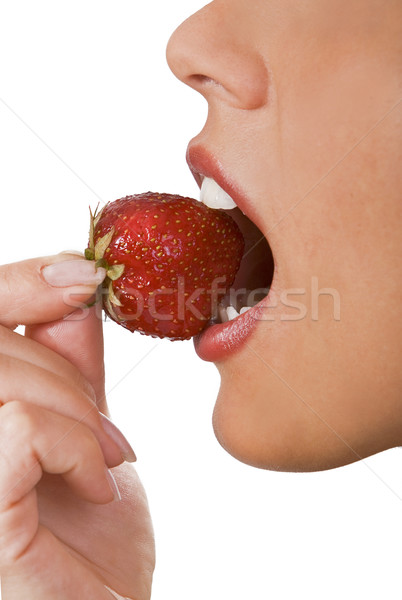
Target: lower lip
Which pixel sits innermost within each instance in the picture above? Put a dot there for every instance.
(219, 341)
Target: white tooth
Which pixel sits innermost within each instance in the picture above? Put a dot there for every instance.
(214, 196)
(232, 313)
(245, 309)
(223, 314)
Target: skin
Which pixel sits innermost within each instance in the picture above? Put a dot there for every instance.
(60, 529)
(303, 118)
(300, 113)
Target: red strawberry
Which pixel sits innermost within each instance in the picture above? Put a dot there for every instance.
(168, 259)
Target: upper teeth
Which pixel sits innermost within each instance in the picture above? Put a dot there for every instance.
(214, 196)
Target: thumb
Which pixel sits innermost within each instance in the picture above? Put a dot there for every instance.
(79, 339)
(45, 289)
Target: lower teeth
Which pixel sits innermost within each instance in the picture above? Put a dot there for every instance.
(232, 313)
(223, 315)
(228, 313)
(227, 310)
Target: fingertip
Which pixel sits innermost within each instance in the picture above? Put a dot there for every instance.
(73, 253)
(76, 272)
(113, 432)
(47, 288)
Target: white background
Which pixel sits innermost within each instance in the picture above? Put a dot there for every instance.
(90, 80)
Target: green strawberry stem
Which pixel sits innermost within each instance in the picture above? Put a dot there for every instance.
(96, 252)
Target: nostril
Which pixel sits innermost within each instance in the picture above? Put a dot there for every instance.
(201, 79)
(239, 92)
(201, 83)
(205, 85)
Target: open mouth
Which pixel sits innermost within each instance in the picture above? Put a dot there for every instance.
(243, 306)
(254, 278)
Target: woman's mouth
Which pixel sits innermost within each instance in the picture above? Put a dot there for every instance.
(254, 277)
(238, 310)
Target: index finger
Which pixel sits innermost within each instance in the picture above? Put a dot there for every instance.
(45, 289)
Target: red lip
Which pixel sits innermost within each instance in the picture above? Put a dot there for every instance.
(219, 341)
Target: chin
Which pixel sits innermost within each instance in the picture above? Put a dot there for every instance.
(271, 431)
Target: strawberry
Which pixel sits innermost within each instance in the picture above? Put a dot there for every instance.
(169, 260)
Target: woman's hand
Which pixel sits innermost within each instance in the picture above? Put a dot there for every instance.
(62, 533)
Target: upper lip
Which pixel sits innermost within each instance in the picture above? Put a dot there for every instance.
(202, 164)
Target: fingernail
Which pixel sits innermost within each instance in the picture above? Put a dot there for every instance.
(74, 252)
(125, 448)
(113, 485)
(73, 272)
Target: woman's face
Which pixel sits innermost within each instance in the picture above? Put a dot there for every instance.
(304, 132)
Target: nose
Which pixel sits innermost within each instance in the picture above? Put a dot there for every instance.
(213, 52)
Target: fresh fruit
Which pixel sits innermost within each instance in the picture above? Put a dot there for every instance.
(169, 260)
